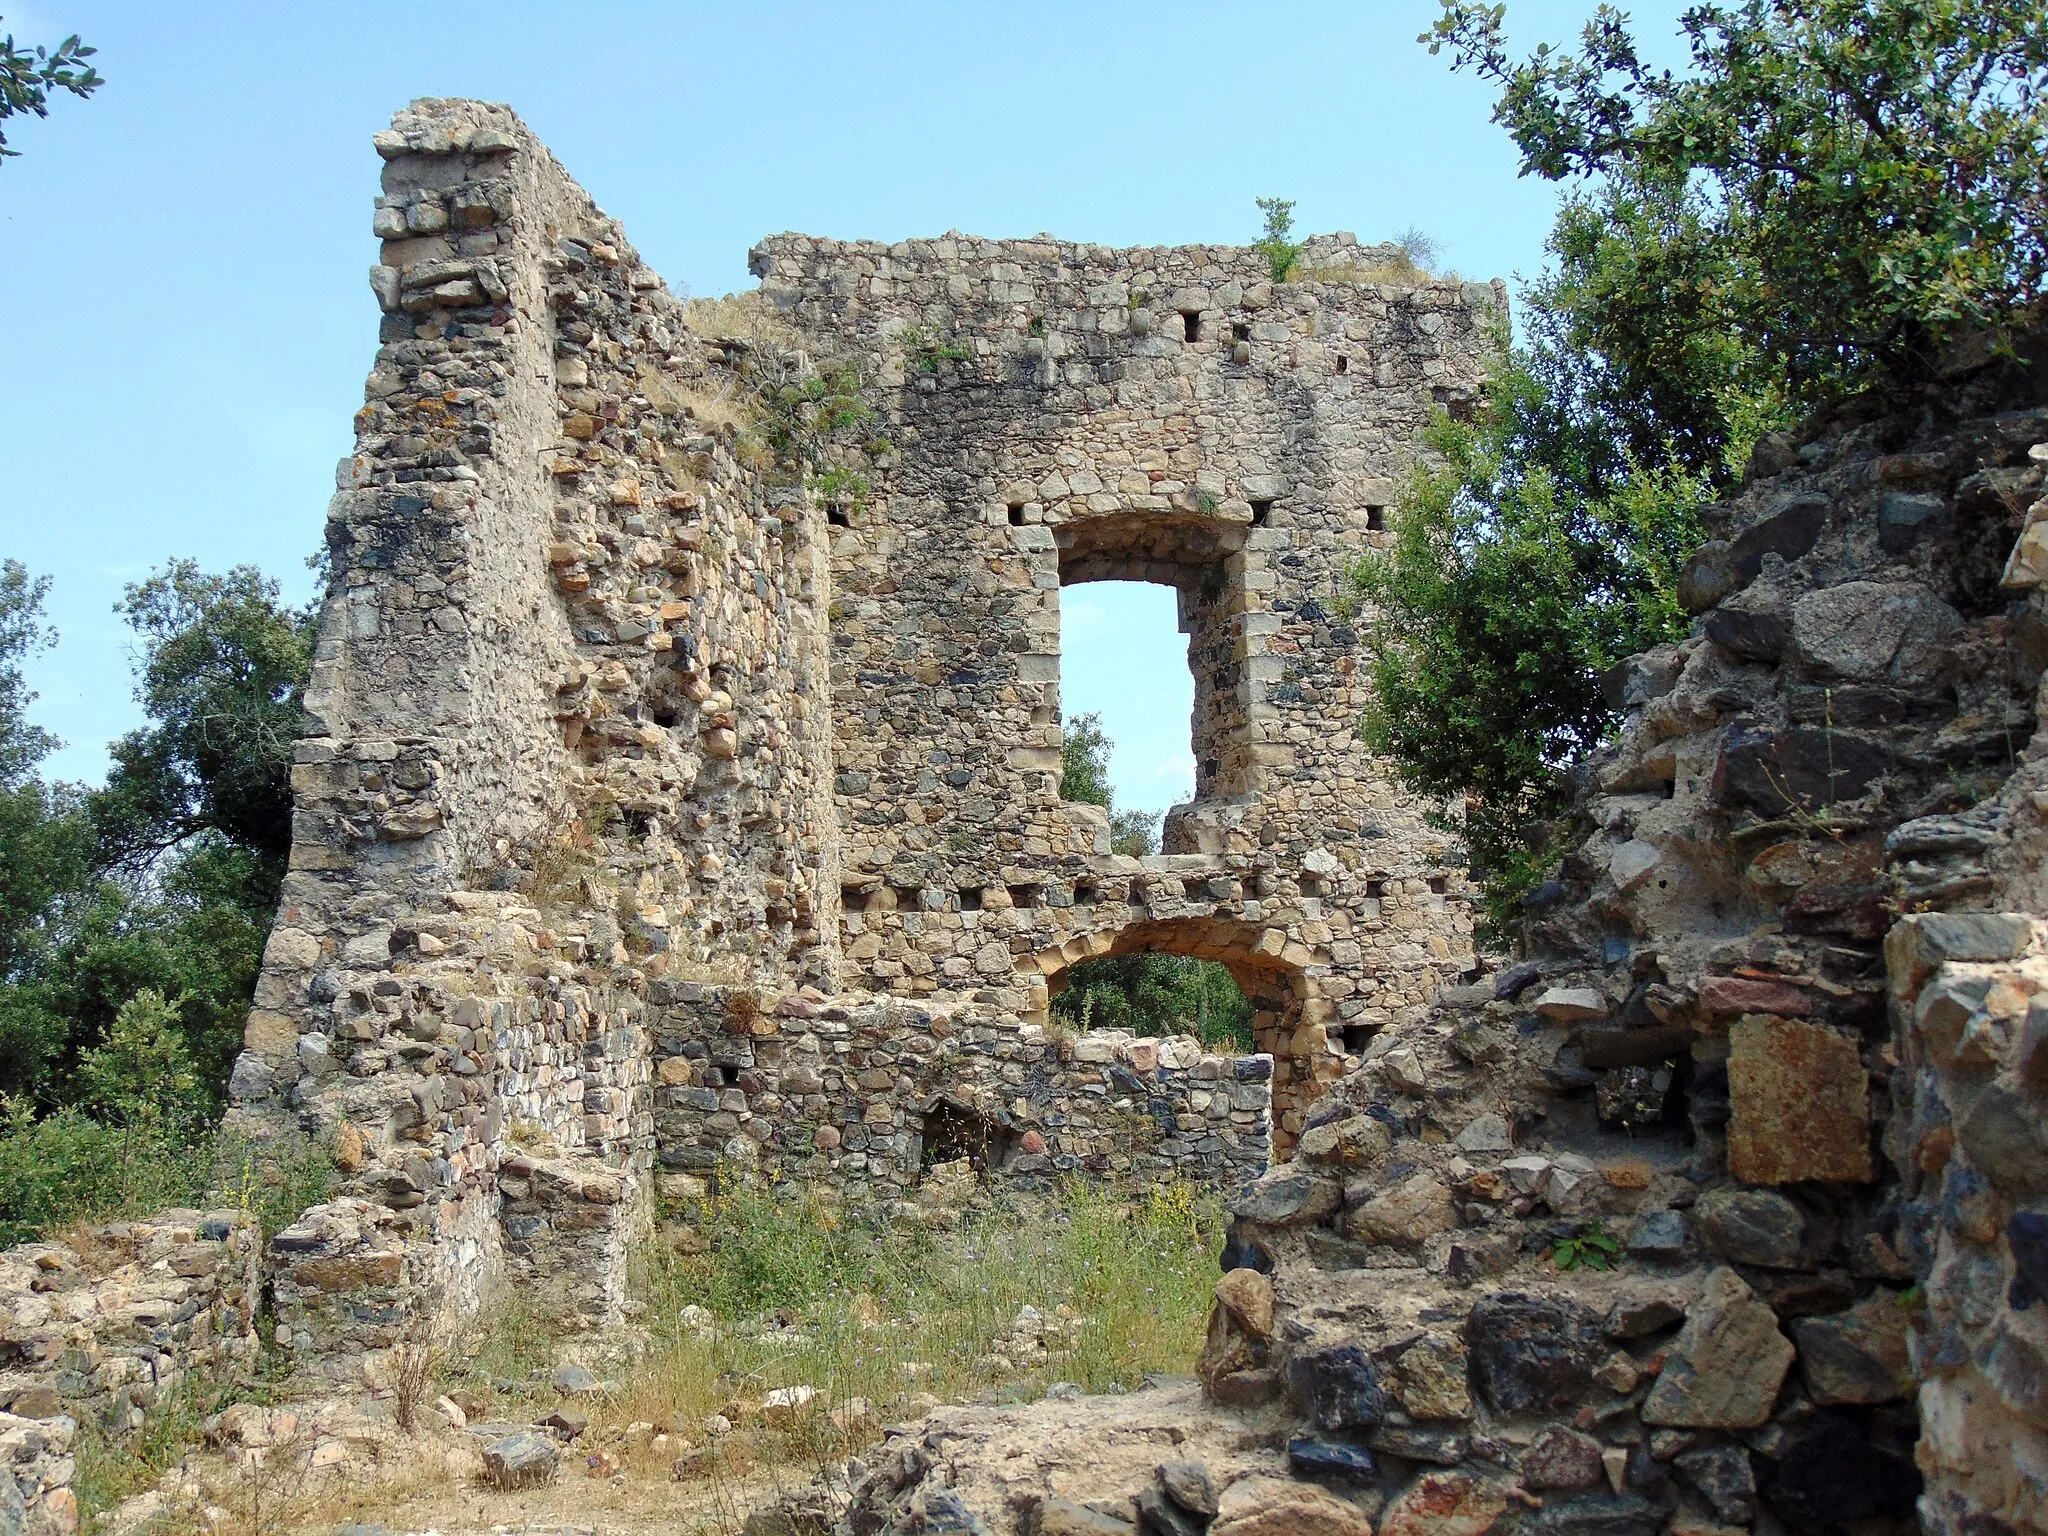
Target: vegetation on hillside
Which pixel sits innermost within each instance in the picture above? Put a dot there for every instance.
(1836, 196)
(133, 917)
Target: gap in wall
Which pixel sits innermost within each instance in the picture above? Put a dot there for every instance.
(1123, 657)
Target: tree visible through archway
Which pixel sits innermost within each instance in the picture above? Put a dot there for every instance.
(1155, 994)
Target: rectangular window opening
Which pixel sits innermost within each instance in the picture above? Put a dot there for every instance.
(1261, 512)
(1190, 325)
(1016, 514)
(1438, 884)
(1343, 365)
(1022, 896)
(970, 899)
(1375, 887)
(1376, 519)
(1240, 332)
(837, 517)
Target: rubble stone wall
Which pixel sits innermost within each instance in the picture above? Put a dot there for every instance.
(1066, 413)
(865, 1094)
(103, 1325)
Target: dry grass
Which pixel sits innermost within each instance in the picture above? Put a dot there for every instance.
(881, 1320)
(746, 317)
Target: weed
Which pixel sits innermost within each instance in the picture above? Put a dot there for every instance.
(926, 351)
(1591, 1249)
(1282, 254)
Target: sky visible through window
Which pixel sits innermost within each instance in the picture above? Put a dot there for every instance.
(1122, 656)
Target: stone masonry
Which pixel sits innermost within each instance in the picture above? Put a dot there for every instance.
(660, 818)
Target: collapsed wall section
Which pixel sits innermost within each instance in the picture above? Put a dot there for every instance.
(1059, 413)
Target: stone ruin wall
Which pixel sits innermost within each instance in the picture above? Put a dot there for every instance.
(1067, 413)
(602, 697)
(640, 834)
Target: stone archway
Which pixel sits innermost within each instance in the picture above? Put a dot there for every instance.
(1277, 976)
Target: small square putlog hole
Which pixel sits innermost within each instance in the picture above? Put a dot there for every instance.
(1262, 512)
(1376, 519)
(1190, 325)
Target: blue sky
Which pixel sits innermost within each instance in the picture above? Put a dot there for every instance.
(185, 254)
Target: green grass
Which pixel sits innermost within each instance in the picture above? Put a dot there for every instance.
(804, 1294)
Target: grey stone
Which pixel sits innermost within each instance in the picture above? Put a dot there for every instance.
(1725, 1479)
(1336, 1388)
(2006, 1136)
(1592, 1514)
(1189, 1485)
(1868, 631)
(1903, 520)
(1633, 1317)
(1752, 1226)
(13, 1510)
(1752, 634)
(1284, 1199)
(1858, 1356)
(1331, 1461)
(1800, 767)
(944, 1515)
(525, 1459)
(1064, 1517)
(575, 1381)
(1533, 1352)
(1724, 1369)
(1420, 1442)
(1657, 1235)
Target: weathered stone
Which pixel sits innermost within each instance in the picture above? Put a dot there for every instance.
(1657, 1235)
(1858, 1356)
(1866, 630)
(1750, 994)
(1064, 1517)
(1723, 1476)
(1421, 1442)
(1593, 1514)
(1331, 1460)
(1483, 1133)
(1248, 1295)
(1276, 1506)
(1572, 1005)
(1800, 1103)
(1416, 1208)
(1904, 519)
(1446, 1504)
(1752, 1226)
(2006, 1136)
(1799, 768)
(1561, 1458)
(1160, 1516)
(1285, 1198)
(1336, 1388)
(1533, 1352)
(1724, 1369)
(1429, 1379)
(1752, 634)
(1189, 1485)
(1357, 1141)
(521, 1460)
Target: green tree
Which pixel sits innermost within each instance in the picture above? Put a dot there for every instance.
(1084, 777)
(28, 75)
(222, 672)
(1282, 254)
(141, 1074)
(1524, 565)
(1853, 185)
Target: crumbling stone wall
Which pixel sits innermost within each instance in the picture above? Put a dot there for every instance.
(1066, 413)
(1771, 1041)
(566, 731)
(103, 1325)
(863, 1095)
(600, 692)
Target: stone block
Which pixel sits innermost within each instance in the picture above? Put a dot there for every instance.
(1799, 1103)
(1726, 1365)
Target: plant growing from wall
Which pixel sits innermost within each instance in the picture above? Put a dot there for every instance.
(1282, 254)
